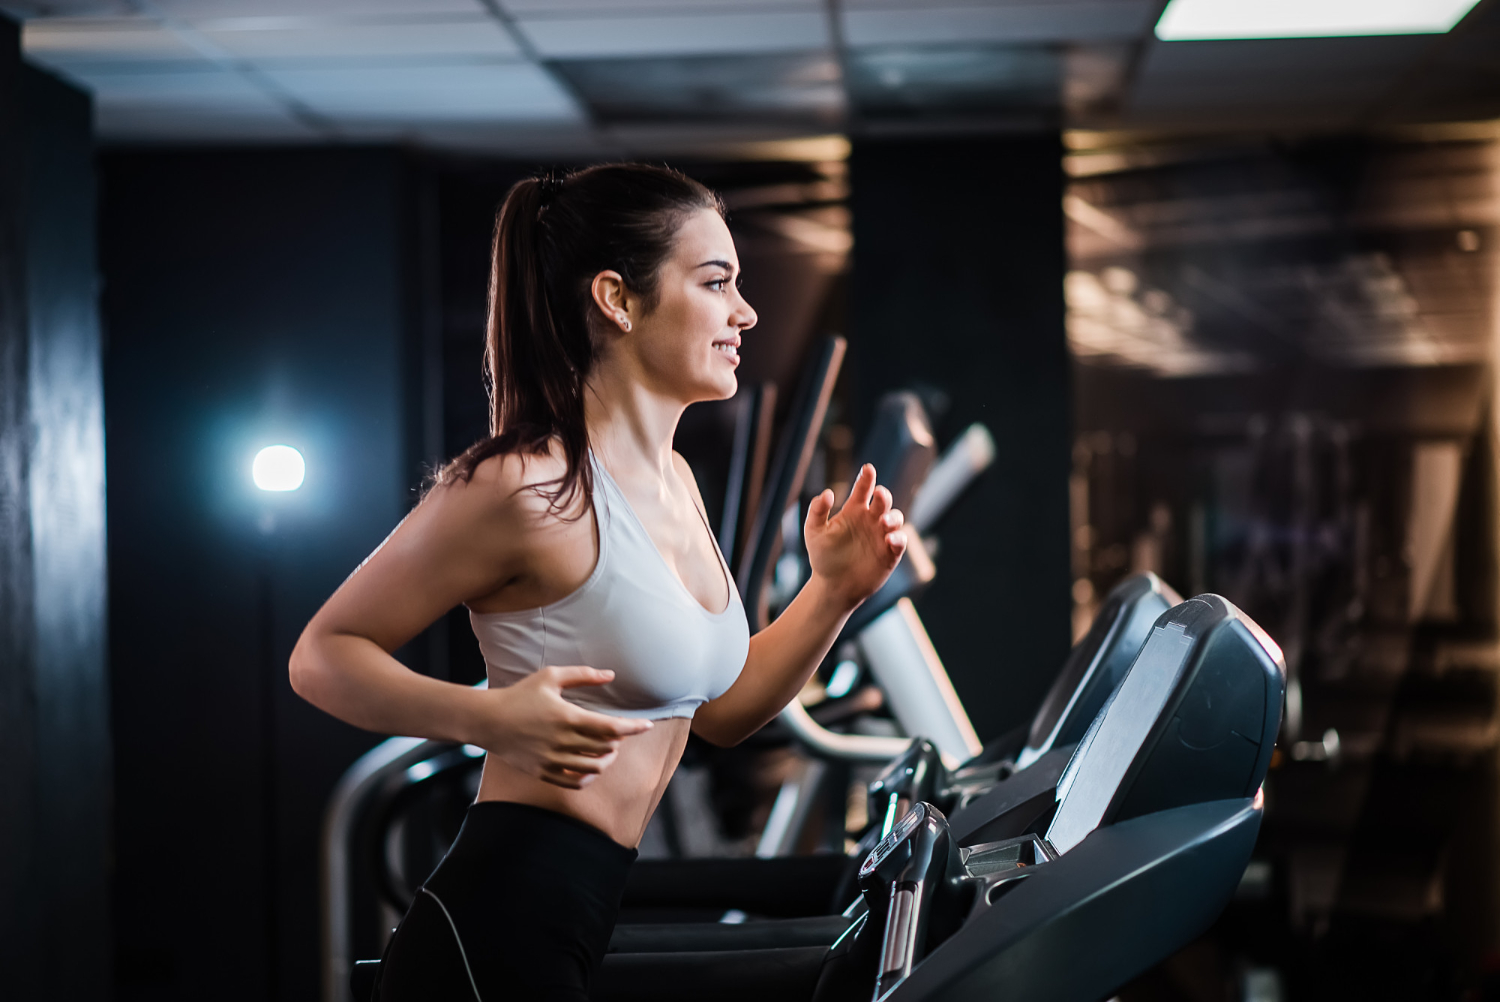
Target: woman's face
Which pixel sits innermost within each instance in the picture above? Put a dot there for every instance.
(688, 344)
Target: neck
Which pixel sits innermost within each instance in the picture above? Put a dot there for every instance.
(630, 426)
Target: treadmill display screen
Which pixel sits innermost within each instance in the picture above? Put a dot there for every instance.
(898, 834)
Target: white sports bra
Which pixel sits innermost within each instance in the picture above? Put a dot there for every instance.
(633, 616)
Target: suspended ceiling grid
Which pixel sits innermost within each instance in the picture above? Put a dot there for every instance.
(566, 76)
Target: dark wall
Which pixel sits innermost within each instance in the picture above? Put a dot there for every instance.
(957, 289)
(54, 733)
(253, 297)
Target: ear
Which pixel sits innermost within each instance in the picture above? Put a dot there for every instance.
(613, 299)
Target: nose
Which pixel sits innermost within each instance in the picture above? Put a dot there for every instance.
(744, 316)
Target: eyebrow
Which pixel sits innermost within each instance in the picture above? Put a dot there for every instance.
(717, 264)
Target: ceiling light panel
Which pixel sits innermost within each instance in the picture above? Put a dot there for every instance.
(676, 35)
(296, 38)
(1206, 19)
(1089, 21)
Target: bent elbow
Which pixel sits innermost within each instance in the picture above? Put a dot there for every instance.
(719, 734)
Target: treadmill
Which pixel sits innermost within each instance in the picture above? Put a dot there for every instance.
(1145, 839)
(791, 886)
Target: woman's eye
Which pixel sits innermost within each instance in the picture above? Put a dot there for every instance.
(718, 284)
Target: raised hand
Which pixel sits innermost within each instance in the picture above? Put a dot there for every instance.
(855, 550)
(534, 730)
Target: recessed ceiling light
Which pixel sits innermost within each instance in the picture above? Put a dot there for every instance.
(1204, 19)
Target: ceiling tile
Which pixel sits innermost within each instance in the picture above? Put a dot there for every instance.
(202, 103)
(696, 34)
(1464, 84)
(1009, 23)
(167, 124)
(203, 10)
(924, 81)
(92, 41)
(800, 86)
(619, 8)
(206, 86)
(1324, 80)
(456, 35)
(435, 93)
(23, 10)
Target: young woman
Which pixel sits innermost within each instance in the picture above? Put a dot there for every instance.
(608, 619)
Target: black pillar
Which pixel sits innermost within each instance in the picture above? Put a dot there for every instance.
(54, 697)
(957, 289)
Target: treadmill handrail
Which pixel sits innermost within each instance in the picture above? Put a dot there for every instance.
(784, 480)
(960, 465)
(832, 744)
(369, 771)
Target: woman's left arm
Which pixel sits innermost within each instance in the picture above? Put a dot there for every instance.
(852, 553)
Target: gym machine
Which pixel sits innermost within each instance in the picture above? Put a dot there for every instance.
(1144, 840)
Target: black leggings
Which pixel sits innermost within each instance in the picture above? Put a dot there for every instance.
(522, 907)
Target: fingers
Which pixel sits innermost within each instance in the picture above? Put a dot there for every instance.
(570, 676)
(566, 780)
(892, 519)
(602, 726)
(819, 511)
(581, 745)
(584, 765)
(881, 502)
(864, 486)
(896, 541)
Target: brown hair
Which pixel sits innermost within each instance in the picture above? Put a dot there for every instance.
(552, 236)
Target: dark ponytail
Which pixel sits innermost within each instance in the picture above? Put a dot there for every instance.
(552, 236)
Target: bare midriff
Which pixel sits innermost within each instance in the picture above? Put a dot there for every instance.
(620, 801)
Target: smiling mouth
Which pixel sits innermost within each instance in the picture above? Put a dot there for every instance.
(729, 348)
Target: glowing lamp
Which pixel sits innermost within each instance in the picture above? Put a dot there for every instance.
(1204, 19)
(278, 468)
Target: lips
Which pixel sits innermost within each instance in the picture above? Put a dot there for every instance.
(729, 347)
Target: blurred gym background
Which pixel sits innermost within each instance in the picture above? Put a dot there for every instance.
(1226, 301)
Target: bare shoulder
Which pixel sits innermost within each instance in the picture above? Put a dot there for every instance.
(510, 488)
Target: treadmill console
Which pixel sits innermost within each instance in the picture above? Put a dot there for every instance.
(1193, 721)
(1097, 663)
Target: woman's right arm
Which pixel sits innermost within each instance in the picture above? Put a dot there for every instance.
(464, 541)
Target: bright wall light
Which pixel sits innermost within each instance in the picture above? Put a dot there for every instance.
(278, 468)
(1205, 19)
